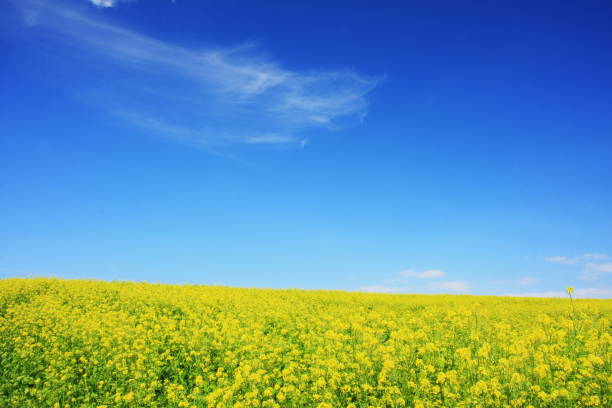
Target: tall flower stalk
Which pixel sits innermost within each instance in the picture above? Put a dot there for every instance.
(569, 291)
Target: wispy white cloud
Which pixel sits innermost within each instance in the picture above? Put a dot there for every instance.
(594, 292)
(409, 275)
(382, 289)
(595, 270)
(593, 265)
(429, 274)
(523, 281)
(269, 139)
(578, 259)
(527, 280)
(207, 96)
(595, 256)
(453, 286)
(418, 282)
(579, 293)
(112, 3)
(560, 260)
(103, 3)
(539, 294)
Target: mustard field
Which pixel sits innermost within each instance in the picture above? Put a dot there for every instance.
(70, 343)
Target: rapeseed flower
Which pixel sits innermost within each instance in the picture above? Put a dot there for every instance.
(97, 344)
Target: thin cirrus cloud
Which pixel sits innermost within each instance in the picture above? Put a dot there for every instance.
(429, 274)
(453, 286)
(111, 3)
(382, 289)
(103, 3)
(578, 259)
(527, 280)
(595, 270)
(410, 281)
(593, 265)
(201, 97)
(578, 292)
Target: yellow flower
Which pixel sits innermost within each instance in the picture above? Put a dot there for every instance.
(219, 347)
(569, 290)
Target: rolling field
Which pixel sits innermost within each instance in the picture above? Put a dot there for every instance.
(76, 343)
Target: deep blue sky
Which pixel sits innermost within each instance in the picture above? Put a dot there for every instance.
(443, 147)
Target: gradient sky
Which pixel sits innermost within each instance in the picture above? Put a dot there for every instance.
(442, 147)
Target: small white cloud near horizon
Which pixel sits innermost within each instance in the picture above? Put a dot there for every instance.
(602, 293)
(527, 280)
(595, 270)
(563, 260)
(593, 264)
(453, 286)
(381, 289)
(415, 282)
(523, 281)
(560, 260)
(595, 256)
(429, 274)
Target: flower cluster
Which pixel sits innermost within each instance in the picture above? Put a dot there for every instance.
(66, 344)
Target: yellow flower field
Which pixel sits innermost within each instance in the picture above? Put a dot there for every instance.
(76, 343)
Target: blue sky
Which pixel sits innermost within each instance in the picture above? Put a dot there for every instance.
(437, 147)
